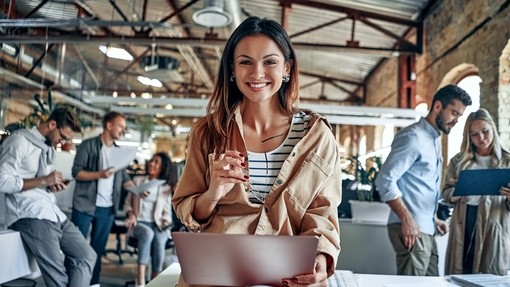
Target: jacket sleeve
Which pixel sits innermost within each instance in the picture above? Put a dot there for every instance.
(192, 183)
(11, 154)
(450, 180)
(81, 158)
(167, 205)
(128, 202)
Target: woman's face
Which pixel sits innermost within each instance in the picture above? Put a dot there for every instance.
(154, 167)
(259, 66)
(481, 135)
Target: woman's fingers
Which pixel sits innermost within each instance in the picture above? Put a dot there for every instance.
(230, 165)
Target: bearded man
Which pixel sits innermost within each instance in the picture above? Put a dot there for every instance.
(29, 183)
(409, 181)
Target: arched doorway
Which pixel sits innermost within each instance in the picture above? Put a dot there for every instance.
(466, 76)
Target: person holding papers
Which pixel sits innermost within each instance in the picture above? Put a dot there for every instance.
(149, 214)
(256, 164)
(99, 180)
(479, 239)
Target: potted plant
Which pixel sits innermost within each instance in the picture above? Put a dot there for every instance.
(367, 208)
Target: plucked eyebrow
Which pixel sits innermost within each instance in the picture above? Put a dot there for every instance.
(265, 57)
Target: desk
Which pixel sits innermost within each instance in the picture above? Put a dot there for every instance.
(170, 276)
(15, 262)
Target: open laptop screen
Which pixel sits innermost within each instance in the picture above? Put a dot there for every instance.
(243, 260)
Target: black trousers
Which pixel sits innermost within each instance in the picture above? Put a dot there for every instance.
(469, 239)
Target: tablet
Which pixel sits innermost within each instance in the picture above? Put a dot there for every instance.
(243, 260)
(481, 181)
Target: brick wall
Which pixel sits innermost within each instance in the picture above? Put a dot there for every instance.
(457, 32)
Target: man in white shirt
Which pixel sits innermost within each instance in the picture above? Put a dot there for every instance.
(28, 181)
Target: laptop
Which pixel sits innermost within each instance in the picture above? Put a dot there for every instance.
(241, 259)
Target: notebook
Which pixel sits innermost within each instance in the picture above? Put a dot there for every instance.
(480, 280)
(243, 260)
(481, 181)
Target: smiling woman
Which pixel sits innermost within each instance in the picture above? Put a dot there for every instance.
(257, 164)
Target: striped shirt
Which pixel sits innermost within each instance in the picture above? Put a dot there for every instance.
(265, 166)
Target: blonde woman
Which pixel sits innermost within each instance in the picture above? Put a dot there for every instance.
(479, 239)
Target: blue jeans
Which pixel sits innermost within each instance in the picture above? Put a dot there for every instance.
(101, 221)
(46, 239)
(151, 242)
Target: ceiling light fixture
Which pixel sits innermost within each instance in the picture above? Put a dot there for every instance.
(116, 53)
(149, 82)
(10, 49)
(212, 15)
(162, 67)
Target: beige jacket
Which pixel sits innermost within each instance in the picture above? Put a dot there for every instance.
(492, 247)
(163, 208)
(303, 199)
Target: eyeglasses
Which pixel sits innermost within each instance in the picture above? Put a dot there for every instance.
(256, 195)
(62, 136)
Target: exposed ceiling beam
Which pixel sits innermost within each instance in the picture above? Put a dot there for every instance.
(351, 11)
(177, 102)
(195, 42)
(369, 121)
(366, 116)
(201, 104)
(86, 65)
(181, 112)
(10, 76)
(318, 27)
(325, 77)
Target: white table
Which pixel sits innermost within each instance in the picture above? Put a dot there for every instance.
(170, 276)
(15, 262)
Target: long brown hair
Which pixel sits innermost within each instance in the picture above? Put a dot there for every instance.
(216, 127)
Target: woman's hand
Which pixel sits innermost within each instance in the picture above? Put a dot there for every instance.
(144, 194)
(441, 226)
(130, 220)
(318, 278)
(505, 191)
(227, 171)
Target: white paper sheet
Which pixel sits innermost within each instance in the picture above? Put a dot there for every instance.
(146, 185)
(121, 157)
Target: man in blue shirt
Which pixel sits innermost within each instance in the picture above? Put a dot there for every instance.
(409, 182)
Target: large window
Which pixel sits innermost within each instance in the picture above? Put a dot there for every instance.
(471, 85)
